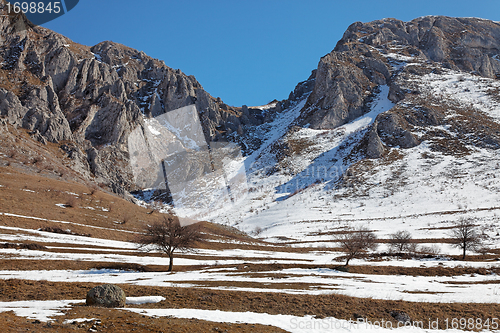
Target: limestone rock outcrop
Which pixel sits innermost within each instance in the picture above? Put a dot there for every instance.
(347, 76)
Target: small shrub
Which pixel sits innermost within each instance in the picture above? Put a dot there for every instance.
(257, 231)
(71, 201)
(432, 250)
(125, 218)
(413, 248)
(400, 241)
(483, 250)
(37, 159)
(93, 189)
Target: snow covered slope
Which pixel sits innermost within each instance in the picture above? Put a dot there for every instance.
(306, 183)
(394, 130)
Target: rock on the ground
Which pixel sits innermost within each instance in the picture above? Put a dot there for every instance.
(400, 316)
(107, 295)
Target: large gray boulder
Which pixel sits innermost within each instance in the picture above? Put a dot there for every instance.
(392, 128)
(107, 295)
(375, 148)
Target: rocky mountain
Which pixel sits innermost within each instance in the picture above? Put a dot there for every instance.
(346, 77)
(400, 119)
(92, 98)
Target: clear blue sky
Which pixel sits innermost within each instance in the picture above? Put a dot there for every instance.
(246, 52)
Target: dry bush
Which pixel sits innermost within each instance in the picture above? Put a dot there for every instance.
(400, 241)
(413, 248)
(126, 217)
(12, 153)
(355, 242)
(93, 189)
(483, 250)
(71, 201)
(432, 250)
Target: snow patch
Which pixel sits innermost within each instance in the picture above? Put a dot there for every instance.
(145, 300)
(289, 323)
(38, 310)
(79, 320)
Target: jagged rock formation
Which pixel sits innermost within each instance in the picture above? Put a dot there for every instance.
(301, 89)
(94, 97)
(346, 77)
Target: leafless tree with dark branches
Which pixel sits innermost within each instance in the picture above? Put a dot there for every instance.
(464, 236)
(400, 241)
(356, 241)
(168, 236)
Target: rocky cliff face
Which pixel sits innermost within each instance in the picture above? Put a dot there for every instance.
(346, 77)
(377, 53)
(92, 98)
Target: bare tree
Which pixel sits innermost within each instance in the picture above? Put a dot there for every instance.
(169, 236)
(356, 241)
(413, 248)
(464, 236)
(400, 241)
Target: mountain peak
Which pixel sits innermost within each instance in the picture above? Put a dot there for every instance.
(347, 76)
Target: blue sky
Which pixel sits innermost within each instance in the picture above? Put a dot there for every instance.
(246, 52)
